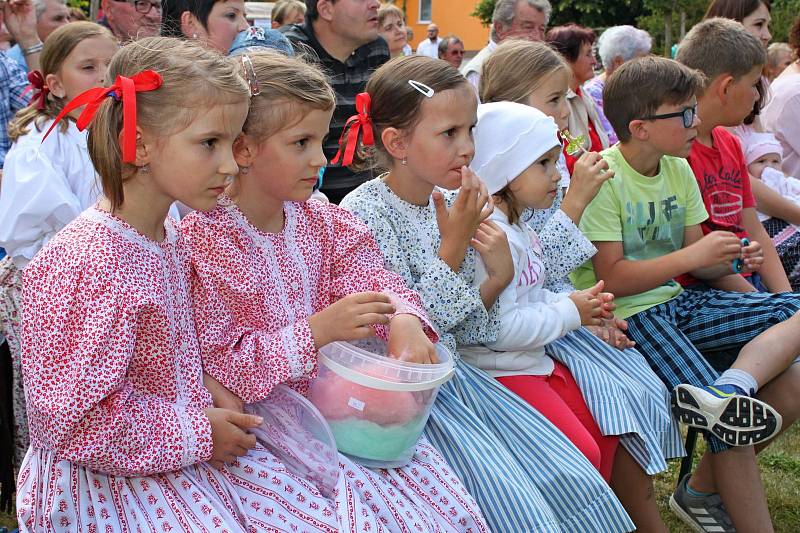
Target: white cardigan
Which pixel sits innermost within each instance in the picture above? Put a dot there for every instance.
(530, 315)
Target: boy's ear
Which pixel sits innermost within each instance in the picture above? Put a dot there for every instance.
(244, 150)
(638, 129)
(722, 86)
(395, 143)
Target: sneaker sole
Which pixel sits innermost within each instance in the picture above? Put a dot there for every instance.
(737, 421)
(687, 519)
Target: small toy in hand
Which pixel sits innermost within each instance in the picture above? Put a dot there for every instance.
(574, 144)
(738, 263)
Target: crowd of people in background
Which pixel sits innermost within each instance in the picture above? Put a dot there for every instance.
(191, 206)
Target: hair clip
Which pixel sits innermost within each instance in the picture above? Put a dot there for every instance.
(421, 87)
(250, 74)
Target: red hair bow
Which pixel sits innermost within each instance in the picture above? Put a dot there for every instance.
(40, 89)
(354, 124)
(124, 89)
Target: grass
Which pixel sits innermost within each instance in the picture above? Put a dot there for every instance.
(780, 470)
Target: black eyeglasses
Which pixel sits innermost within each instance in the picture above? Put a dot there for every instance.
(143, 6)
(687, 113)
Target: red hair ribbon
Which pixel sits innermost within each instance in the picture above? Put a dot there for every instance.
(124, 89)
(354, 124)
(39, 88)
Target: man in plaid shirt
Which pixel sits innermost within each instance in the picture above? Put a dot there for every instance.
(342, 37)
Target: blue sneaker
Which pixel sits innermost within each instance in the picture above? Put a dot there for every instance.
(729, 414)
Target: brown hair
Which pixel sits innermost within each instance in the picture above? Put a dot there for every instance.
(194, 78)
(283, 8)
(567, 40)
(640, 86)
(733, 9)
(289, 87)
(58, 47)
(794, 37)
(516, 69)
(395, 103)
(721, 46)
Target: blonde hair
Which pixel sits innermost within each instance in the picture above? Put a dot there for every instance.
(774, 51)
(289, 87)
(516, 69)
(58, 47)
(194, 78)
(283, 8)
(388, 10)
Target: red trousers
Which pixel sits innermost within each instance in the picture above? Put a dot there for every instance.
(559, 399)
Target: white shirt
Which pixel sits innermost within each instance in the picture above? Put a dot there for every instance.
(472, 69)
(530, 316)
(45, 186)
(428, 48)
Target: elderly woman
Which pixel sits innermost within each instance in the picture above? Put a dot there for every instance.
(616, 45)
(392, 27)
(574, 43)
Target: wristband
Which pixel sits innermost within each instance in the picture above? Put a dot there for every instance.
(738, 264)
(33, 49)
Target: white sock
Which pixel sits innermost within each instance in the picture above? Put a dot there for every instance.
(738, 378)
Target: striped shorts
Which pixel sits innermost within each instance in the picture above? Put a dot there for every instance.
(681, 337)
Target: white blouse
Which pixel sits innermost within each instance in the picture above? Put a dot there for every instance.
(45, 186)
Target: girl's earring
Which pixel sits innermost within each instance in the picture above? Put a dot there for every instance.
(194, 36)
(244, 170)
(145, 169)
(404, 161)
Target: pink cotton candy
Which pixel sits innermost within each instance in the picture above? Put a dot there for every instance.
(337, 398)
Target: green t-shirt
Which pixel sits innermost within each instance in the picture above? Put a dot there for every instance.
(648, 215)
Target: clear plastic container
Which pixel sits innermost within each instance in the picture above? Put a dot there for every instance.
(376, 406)
(296, 433)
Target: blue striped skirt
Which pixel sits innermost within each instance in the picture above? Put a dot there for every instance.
(524, 473)
(625, 397)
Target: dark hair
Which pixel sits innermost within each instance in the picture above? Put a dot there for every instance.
(395, 103)
(312, 13)
(567, 40)
(171, 11)
(733, 9)
(794, 37)
(640, 86)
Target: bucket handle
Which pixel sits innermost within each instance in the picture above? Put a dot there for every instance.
(382, 384)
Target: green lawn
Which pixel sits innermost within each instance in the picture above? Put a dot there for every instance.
(780, 467)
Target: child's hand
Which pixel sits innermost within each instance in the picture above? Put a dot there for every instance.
(718, 247)
(472, 205)
(607, 304)
(350, 318)
(752, 257)
(588, 175)
(229, 434)
(589, 305)
(223, 398)
(408, 342)
(612, 332)
(492, 243)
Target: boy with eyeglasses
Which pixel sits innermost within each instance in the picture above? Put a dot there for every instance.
(646, 224)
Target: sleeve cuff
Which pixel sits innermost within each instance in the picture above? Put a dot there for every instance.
(196, 428)
(569, 313)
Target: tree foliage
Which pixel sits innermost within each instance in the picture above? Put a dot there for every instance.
(661, 18)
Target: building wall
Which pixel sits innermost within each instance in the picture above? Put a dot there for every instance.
(452, 16)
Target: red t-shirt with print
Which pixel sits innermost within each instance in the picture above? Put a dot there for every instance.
(721, 174)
